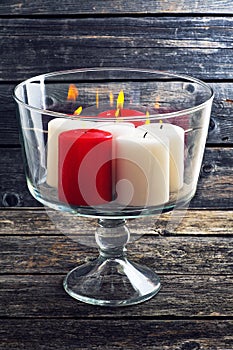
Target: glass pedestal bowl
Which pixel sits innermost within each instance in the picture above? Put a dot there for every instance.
(113, 144)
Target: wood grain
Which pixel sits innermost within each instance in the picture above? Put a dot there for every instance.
(28, 221)
(67, 7)
(113, 334)
(209, 32)
(180, 296)
(196, 46)
(190, 312)
(56, 254)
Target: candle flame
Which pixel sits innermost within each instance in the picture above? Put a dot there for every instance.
(72, 93)
(120, 103)
(157, 105)
(78, 111)
(120, 99)
(148, 118)
(111, 98)
(97, 98)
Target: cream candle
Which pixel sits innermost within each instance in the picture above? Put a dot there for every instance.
(175, 134)
(55, 127)
(116, 129)
(142, 170)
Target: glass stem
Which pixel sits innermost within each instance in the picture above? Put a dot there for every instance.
(112, 236)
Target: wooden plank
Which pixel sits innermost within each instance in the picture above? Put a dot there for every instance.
(215, 178)
(116, 334)
(221, 116)
(43, 222)
(220, 128)
(49, 222)
(13, 188)
(160, 31)
(216, 169)
(9, 134)
(210, 222)
(202, 48)
(67, 7)
(40, 57)
(180, 296)
(173, 255)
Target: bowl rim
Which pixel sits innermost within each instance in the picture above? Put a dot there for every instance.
(166, 115)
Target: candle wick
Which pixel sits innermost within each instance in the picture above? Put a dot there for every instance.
(145, 134)
(161, 126)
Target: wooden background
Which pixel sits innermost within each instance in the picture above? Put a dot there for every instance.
(194, 309)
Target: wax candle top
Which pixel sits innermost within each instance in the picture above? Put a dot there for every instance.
(117, 129)
(65, 123)
(163, 128)
(86, 134)
(123, 113)
(111, 113)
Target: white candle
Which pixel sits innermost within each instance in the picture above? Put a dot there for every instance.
(142, 170)
(175, 134)
(117, 129)
(55, 127)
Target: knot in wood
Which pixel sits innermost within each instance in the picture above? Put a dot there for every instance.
(11, 200)
(208, 168)
(191, 345)
(212, 125)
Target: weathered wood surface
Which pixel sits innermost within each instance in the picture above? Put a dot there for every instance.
(116, 334)
(180, 296)
(56, 254)
(35, 221)
(40, 57)
(199, 268)
(216, 171)
(208, 32)
(201, 47)
(192, 311)
(91, 7)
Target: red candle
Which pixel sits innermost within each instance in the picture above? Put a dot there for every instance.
(85, 167)
(111, 113)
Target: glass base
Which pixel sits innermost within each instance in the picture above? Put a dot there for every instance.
(112, 282)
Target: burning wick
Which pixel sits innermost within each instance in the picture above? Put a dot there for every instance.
(118, 113)
(157, 105)
(161, 124)
(97, 98)
(148, 118)
(111, 97)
